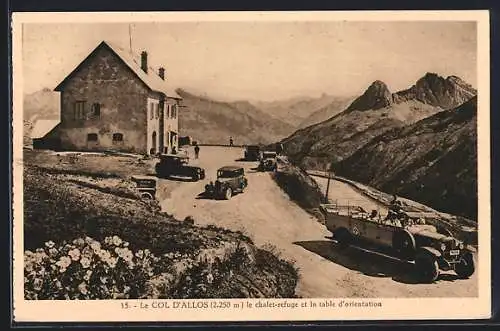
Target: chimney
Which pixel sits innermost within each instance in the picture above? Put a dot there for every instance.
(144, 61)
(161, 73)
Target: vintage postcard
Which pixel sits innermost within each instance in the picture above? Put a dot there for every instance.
(251, 166)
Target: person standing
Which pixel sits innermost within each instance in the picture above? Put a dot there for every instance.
(231, 141)
(196, 151)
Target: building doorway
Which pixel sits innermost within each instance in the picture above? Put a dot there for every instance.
(153, 143)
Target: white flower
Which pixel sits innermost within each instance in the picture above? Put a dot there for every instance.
(108, 240)
(53, 251)
(96, 246)
(49, 244)
(139, 254)
(79, 242)
(210, 278)
(116, 241)
(82, 287)
(124, 253)
(87, 275)
(37, 284)
(64, 262)
(104, 255)
(85, 262)
(112, 262)
(74, 254)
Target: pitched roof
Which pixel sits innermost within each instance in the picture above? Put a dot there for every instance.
(42, 127)
(150, 79)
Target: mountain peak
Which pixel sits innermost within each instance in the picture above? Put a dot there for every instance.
(435, 90)
(376, 96)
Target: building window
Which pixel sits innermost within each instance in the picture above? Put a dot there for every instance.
(167, 111)
(79, 110)
(95, 110)
(157, 110)
(174, 111)
(92, 137)
(117, 137)
(151, 110)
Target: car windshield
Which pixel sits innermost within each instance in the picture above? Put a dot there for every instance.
(227, 173)
(269, 155)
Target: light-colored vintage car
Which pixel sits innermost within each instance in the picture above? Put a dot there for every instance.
(408, 236)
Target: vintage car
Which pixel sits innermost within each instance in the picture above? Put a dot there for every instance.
(145, 186)
(252, 153)
(268, 161)
(177, 165)
(230, 180)
(430, 248)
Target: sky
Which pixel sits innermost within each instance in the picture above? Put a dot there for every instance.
(263, 60)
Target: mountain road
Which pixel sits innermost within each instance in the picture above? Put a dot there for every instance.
(267, 215)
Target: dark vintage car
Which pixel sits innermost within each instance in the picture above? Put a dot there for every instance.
(268, 161)
(178, 165)
(430, 248)
(252, 153)
(145, 186)
(230, 180)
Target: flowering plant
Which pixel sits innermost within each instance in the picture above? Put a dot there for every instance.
(89, 269)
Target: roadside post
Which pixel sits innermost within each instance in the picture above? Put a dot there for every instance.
(328, 170)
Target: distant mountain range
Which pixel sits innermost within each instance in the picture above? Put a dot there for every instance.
(374, 112)
(211, 121)
(419, 142)
(304, 111)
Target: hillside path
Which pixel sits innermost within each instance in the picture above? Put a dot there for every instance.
(266, 214)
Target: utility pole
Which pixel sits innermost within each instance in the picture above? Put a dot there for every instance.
(328, 182)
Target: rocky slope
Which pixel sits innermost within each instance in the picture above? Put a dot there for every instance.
(213, 122)
(433, 161)
(371, 114)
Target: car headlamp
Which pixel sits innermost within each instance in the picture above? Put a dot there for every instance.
(461, 246)
(443, 247)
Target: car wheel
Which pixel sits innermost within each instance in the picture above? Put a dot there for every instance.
(427, 268)
(465, 268)
(147, 196)
(404, 243)
(343, 237)
(228, 193)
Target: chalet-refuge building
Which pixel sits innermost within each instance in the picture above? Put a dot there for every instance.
(115, 101)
